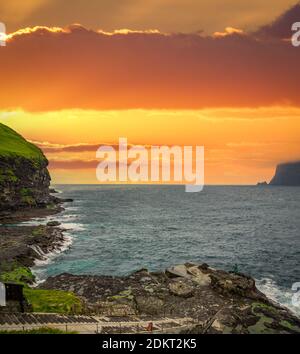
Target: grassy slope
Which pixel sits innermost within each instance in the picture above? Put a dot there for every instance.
(13, 144)
(55, 301)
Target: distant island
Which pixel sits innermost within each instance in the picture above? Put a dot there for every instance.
(286, 174)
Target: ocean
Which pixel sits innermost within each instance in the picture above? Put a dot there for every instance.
(115, 230)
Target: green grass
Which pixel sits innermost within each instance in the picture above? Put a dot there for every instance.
(20, 275)
(42, 330)
(26, 196)
(55, 301)
(13, 144)
(52, 301)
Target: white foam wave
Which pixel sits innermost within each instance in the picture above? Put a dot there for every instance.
(39, 267)
(73, 226)
(280, 295)
(45, 220)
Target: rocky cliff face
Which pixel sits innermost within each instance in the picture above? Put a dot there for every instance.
(287, 174)
(24, 178)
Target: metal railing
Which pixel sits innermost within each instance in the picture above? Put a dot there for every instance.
(165, 325)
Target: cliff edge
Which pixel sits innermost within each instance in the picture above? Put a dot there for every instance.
(287, 174)
(24, 178)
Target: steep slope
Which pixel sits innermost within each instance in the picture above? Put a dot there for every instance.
(24, 178)
(287, 174)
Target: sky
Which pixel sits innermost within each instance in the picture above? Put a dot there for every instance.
(222, 74)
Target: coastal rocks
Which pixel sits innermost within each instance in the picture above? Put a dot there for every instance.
(181, 288)
(177, 271)
(66, 200)
(53, 191)
(53, 223)
(23, 183)
(262, 184)
(190, 271)
(199, 276)
(24, 245)
(149, 305)
(24, 178)
(235, 284)
(218, 301)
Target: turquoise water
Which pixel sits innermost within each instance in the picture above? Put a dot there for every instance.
(118, 229)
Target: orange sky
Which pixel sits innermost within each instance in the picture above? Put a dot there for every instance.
(235, 92)
(242, 146)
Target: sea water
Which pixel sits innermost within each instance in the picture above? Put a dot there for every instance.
(115, 230)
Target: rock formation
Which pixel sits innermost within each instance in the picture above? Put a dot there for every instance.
(287, 174)
(24, 178)
(216, 301)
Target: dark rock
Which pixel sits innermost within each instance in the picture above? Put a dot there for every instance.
(24, 245)
(287, 174)
(53, 223)
(235, 284)
(53, 191)
(262, 184)
(227, 303)
(204, 267)
(29, 186)
(181, 288)
(67, 200)
(24, 178)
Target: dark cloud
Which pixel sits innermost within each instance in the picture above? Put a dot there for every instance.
(48, 148)
(281, 27)
(72, 164)
(53, 69)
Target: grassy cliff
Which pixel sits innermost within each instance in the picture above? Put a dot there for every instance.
(24, 178)
(13, 144)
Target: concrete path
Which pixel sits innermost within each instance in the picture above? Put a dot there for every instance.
(93, 324)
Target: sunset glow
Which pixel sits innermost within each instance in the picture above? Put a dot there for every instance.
(233, 89)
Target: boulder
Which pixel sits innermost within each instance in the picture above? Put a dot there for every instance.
(177, 271)
(235, 284)
(53, 223)
(198, 276)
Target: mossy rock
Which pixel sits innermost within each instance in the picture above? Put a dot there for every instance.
(39, 231)
(19, 275)
(53, 301)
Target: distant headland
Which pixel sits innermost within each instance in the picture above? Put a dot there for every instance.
(286, 174)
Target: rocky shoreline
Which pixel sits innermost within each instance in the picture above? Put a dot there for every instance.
(22, 245)
(218, 301)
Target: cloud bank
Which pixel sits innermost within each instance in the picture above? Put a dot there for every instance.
(53, 68)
